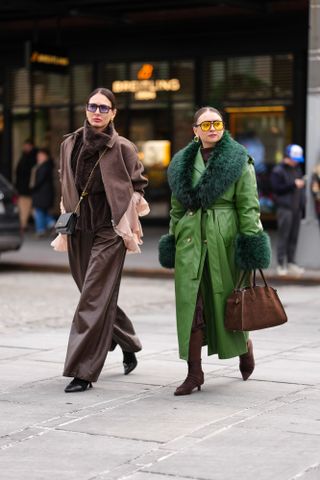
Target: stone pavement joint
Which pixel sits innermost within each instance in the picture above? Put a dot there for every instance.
(311, 468)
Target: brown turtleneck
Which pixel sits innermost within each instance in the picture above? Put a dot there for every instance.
(94, 209)
(206, 152)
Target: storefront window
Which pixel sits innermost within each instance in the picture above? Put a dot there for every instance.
(255, 92)
(249, 77)
(149, 130)
(79, 116)
(20, 132)
(283, 76)
(263, 131)
(50, 126)
(82, 83)
(215, 82)
(183, 71)
(51, 88)
(266, 124)
(20, 87)
(155, 108)
(115, 72)
(182, 124)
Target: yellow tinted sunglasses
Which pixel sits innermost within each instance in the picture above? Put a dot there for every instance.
(205, 126)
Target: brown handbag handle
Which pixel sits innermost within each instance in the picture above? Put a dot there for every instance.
(262, 275)
(252, 278)
(242, 278)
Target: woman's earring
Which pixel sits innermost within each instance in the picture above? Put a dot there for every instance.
(196, 138)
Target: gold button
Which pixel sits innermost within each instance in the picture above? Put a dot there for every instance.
(189, 239)
(205, 241)
(191, 213)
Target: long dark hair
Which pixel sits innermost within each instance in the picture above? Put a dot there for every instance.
(205, 109)
(107, 93)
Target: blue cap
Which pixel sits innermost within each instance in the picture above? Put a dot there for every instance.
(295, 152)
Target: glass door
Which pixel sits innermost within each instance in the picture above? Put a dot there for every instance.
(149, 130)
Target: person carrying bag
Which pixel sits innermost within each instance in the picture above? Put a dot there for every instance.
(215, 233)
(96, 251)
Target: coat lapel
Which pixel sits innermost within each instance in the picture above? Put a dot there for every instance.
(198, 168)
(224, 167)
(69, 190)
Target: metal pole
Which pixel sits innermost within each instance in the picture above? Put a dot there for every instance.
(308, 249)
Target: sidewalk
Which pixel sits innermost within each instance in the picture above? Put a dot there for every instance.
(133, 427)
(38, 255)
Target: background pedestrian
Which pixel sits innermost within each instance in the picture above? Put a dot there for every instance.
(23, 172)
(42, 189)
(289, 188)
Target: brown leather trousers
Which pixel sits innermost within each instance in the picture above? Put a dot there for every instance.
(96, 262)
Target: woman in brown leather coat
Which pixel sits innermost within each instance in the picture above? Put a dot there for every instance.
(96, 253)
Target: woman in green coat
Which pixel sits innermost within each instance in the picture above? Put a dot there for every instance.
(215, 233)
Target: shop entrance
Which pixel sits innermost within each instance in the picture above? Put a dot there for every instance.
(149, 130)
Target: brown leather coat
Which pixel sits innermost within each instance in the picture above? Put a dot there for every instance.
(121, 173)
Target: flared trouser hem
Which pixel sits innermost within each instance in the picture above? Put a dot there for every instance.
(96, 263)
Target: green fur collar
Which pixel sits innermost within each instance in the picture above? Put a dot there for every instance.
(223, 169)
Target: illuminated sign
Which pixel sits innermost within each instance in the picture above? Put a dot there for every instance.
(145, 88)
(48, 59)
(145, 72)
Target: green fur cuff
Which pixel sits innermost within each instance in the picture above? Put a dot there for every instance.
(167, 250)
(253, 251)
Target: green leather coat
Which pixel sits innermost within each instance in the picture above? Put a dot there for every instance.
(212, 243)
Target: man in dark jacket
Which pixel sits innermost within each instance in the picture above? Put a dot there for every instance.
(23, 172)
(289, 187)
(41, 184)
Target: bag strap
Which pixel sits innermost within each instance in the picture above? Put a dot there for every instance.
(252, 278)
(262, 275)
(85, 192)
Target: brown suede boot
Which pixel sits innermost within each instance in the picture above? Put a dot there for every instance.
(195, 376)
(246, 364)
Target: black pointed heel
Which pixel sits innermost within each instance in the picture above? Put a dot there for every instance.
(129, 362)
(77, 385)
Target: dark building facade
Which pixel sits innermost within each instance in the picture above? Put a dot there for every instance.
(162, 60)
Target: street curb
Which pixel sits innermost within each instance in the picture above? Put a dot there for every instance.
(153, 273)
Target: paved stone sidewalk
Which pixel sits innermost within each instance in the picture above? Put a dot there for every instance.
(132, 427)
(37, 255)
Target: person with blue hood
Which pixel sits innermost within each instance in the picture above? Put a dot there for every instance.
(289, 187)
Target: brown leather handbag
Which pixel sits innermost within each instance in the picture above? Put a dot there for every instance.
(254, 307)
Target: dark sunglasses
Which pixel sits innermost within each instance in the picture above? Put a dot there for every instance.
(92, 107)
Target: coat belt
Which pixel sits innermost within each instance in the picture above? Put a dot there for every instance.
(222, 207)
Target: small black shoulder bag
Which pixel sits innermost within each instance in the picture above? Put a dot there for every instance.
(66, 223)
